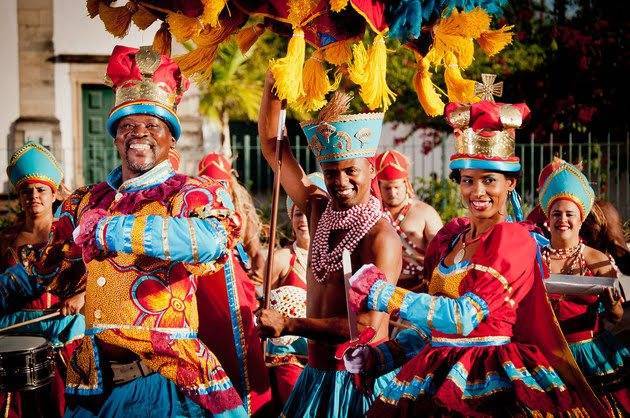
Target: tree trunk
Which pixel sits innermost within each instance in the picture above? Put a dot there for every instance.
(226, 146)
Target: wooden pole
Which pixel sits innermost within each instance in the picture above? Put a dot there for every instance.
(274, 203)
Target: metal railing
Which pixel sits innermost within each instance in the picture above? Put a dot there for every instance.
(605, 163)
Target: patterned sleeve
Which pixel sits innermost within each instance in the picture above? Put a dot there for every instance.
(17, 287)
(501, 273)
(59, 265)
(203, 230)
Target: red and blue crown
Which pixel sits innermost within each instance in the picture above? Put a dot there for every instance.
(146, 83)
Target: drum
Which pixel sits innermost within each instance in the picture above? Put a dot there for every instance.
(26, 362)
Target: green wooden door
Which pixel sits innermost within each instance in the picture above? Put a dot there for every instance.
(99, 153)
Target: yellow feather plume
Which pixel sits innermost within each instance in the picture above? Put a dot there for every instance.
(459, 89)
(369, 71)
(247, 37)
(163, 40)
(143, 18)
(316, 84)
(287, 71)
(117, 19)
(428, 97)
(211, 11)
(183, 27)
(339, 53)
(493, 41)
(338, 5)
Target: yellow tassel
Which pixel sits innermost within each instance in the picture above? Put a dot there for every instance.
(247, 37)
(493, 41)
(338, 5)
(162, 41)
(117, 19)
(316, 84)
(428, 97)
(469, 24)
(183, 27)
(287, 71)
(198, 62)
(339, 53)
(456, 33)
(356, 69)
(373, 88)
(92, 8)
(459, 89)
(143, 18)
(211, 11)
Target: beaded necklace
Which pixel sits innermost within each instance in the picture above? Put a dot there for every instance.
(301, 257)
(575, 254)
(402, 215)
(357, 221)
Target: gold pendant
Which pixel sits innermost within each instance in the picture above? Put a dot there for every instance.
(460, 255)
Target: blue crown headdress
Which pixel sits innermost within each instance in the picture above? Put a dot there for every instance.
(344, 137)
(566, 181)
(33, 163)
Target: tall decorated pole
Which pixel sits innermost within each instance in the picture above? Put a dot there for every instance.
(282, 116)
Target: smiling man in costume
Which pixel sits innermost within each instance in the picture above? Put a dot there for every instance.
(146, 235)
(347, 217)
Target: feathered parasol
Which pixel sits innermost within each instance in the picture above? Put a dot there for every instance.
(442, 33)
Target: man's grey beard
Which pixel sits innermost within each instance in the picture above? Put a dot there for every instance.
(141, 168)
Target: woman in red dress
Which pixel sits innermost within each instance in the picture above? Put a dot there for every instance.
(36, 176)
(483, 341)
(566, 199)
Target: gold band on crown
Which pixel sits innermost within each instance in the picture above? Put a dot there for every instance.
(146, 90)
(493, 144)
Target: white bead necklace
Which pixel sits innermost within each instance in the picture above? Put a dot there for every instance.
(357, 220)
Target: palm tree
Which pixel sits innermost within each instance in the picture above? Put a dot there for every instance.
(234, 91)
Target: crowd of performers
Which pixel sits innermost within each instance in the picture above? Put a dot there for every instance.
(155, 274)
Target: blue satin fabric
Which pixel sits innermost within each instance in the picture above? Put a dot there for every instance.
(601, 356)
(58, 331)
(331, 394)
(151, 396)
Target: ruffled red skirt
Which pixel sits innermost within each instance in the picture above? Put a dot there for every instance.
(512, 379)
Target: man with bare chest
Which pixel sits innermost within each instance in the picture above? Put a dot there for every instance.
(349, 218)
(415, 221)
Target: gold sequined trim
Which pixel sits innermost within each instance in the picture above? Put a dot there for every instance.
(348, 154)
(165, 245)
(137, 235)
(347, 118)
(193, 241)
(499, 277)
(431, 312)
(468, 340)
(498, 144)
(478, 308)
(395, 301)
(458, 320)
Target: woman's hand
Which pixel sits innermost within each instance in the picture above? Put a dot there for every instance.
(73, 304)
(613, 304)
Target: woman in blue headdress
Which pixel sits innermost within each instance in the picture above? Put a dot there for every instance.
(566, 198)
(36, 177)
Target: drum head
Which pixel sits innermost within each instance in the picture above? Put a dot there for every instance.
(17, 343)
